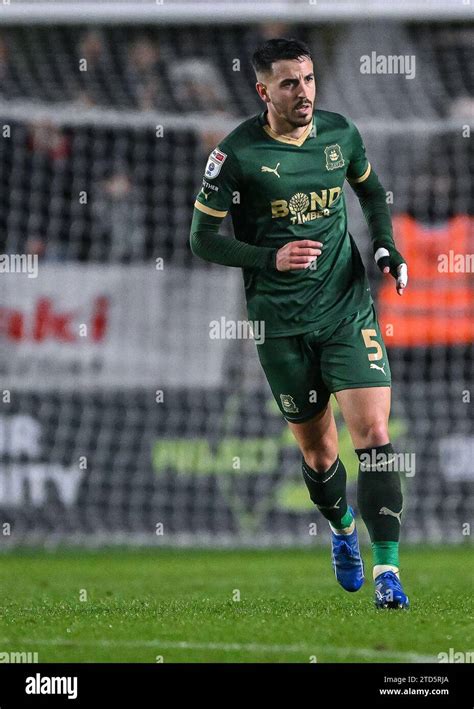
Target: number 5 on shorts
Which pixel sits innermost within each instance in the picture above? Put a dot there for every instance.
(369, 341)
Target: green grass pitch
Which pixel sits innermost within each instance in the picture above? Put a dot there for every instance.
(182, 606)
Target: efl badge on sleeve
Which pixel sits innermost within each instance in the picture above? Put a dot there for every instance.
(214, 164)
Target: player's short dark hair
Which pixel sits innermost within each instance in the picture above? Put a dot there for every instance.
(275, 49)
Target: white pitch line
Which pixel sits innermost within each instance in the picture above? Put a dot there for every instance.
(231, 647)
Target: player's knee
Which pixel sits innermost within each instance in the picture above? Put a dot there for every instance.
(373, 433)
(320, 458)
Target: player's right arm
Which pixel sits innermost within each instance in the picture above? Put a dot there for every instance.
(220, 185)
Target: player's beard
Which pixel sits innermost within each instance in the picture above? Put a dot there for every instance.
(296, 121)
(303, 121)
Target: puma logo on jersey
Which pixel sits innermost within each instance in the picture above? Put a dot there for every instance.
(264, 168)
(386, 511)
(376, 366)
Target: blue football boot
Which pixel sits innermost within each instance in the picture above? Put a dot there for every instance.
(346, 559)
(389, 592)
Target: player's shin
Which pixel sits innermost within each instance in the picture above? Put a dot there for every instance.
(380, 501)
(327, 490)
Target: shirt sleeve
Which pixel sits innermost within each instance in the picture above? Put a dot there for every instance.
(220, 183)
(359, 167)
(371, 194)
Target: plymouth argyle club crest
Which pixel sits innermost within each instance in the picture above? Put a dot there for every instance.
(288, 404)
(334, 158)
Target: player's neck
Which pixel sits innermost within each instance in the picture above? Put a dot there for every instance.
(283, 128)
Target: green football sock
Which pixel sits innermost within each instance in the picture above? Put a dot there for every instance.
(346, 521)
(379, 496)
(385, 553)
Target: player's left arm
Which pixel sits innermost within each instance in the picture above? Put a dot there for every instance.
(365, 183)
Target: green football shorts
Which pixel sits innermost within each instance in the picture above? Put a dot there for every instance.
(304, 370)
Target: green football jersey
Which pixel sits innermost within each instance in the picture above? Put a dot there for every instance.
(281, 189)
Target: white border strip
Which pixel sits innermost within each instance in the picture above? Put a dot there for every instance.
(183, 11)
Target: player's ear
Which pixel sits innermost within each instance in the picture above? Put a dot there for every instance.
(262, 91)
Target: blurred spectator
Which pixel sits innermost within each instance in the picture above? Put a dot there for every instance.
(46, 139)
(144, 74)
(199, 86)
(91, 48)
(83, 98)
(4, 62)
(210, 140)
(269, 30)
(462, 107)
(9, 85)
(46, 189)
(95, 69)
(50, 250)
(120, 217)
(35, 246)
(258, 34)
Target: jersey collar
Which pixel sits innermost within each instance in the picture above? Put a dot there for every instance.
(282, 138)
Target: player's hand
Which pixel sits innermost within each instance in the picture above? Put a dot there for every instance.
(297, 255)
(392, 262)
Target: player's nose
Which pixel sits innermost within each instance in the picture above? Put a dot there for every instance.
(304, 92)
